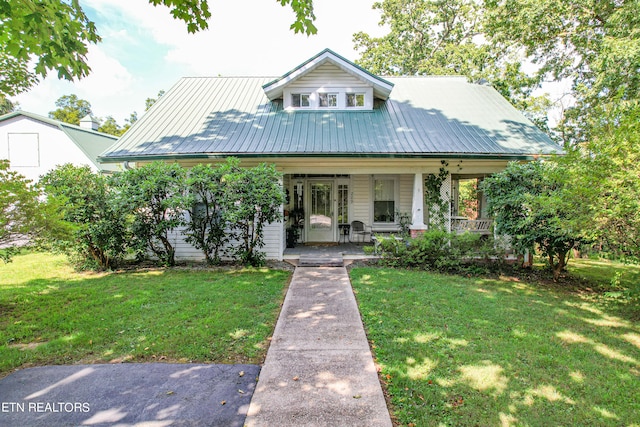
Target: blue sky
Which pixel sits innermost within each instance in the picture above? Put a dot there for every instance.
(144, 50)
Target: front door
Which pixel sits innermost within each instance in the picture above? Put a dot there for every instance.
(322, 225)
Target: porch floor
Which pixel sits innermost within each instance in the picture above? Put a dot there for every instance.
(347, 250)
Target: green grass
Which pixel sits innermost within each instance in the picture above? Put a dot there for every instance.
(50, 314)
(457, 351)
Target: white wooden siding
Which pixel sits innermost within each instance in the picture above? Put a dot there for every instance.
(329, 75)
(361, 198)
(273, 248)
(54, 147)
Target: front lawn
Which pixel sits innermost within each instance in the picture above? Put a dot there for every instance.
(50, 314)
(457, 351)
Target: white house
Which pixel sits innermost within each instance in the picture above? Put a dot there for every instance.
(35, 144)
(351, 145)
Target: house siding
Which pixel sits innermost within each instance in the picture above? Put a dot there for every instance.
(54, 147)
(328, 75)
(273, 243)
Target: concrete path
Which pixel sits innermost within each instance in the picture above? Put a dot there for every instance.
(319, 370)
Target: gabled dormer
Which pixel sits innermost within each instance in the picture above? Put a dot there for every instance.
(328, 81)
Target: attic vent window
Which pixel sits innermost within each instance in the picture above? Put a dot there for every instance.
(328, 99)
(355, 100)
(299, 99)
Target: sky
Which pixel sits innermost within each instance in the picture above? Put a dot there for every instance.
(144, 50)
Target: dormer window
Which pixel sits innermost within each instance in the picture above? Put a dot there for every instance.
(328, 100)
(355, 100)
(300, 100)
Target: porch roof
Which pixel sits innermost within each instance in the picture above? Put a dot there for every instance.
(424, 117)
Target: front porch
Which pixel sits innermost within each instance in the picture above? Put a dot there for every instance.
(321, 209)
(345, 250)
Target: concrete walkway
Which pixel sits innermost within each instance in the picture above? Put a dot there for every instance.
(319, 370)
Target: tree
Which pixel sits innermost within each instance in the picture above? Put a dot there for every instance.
(6, 105)
(111, 127)
(531, 204)
(595, 44)
(100, 233)
(154, 195)
(24, 217)
(206, 228)
(254, 197)
(70, 109)
(445, 37)
(56, 35)
(148, 103)
(605, 175)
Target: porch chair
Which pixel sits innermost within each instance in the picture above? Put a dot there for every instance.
(359, 232)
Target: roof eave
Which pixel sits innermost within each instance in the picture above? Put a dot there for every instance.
(205, 156)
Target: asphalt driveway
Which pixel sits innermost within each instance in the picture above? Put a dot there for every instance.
(128, 394)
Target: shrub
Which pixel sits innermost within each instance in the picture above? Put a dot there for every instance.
(99, 233)
(154, 195)
(206, 227)
(441, 250)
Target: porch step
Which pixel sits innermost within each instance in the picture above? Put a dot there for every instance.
(315, 260)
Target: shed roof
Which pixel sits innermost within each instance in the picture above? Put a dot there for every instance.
(205, 117)
(92, 143)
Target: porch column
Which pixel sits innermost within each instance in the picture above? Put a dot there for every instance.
(417, 212)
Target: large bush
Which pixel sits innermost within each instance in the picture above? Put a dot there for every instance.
(154, 194)
(440, 250)
(254, 197)
(207, 225)
(86, 200)
(25, 217)
(532, 204)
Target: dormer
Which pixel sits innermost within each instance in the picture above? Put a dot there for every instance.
(328, 82)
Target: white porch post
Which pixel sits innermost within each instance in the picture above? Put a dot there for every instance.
(417, 213)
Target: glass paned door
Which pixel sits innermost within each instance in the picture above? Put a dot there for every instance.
(321, 221)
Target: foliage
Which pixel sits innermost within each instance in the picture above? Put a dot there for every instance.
(439, 250)
(460, 351)
(594, 44)
(304, 16)
(56, 35)
(206, 227)
(100, 232)
(153, 195)
(437, 207)
(254, 199)
(24, 217)
(71, 109)
(530, 202)
(404, 221)
(6, 105)
(55, 315)
(148, 103)
(605, 177)
(446, 38)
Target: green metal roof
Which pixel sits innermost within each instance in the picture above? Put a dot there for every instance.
(92, 143)
(423, 117)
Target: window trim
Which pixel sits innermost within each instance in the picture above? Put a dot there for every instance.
(328, 94)
(301, 94)
(396, 198)
(355, 94)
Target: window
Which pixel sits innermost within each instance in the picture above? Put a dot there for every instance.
(384, 203)
(299, 99)
(328, 99)
(355, 100)
(343, 203)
